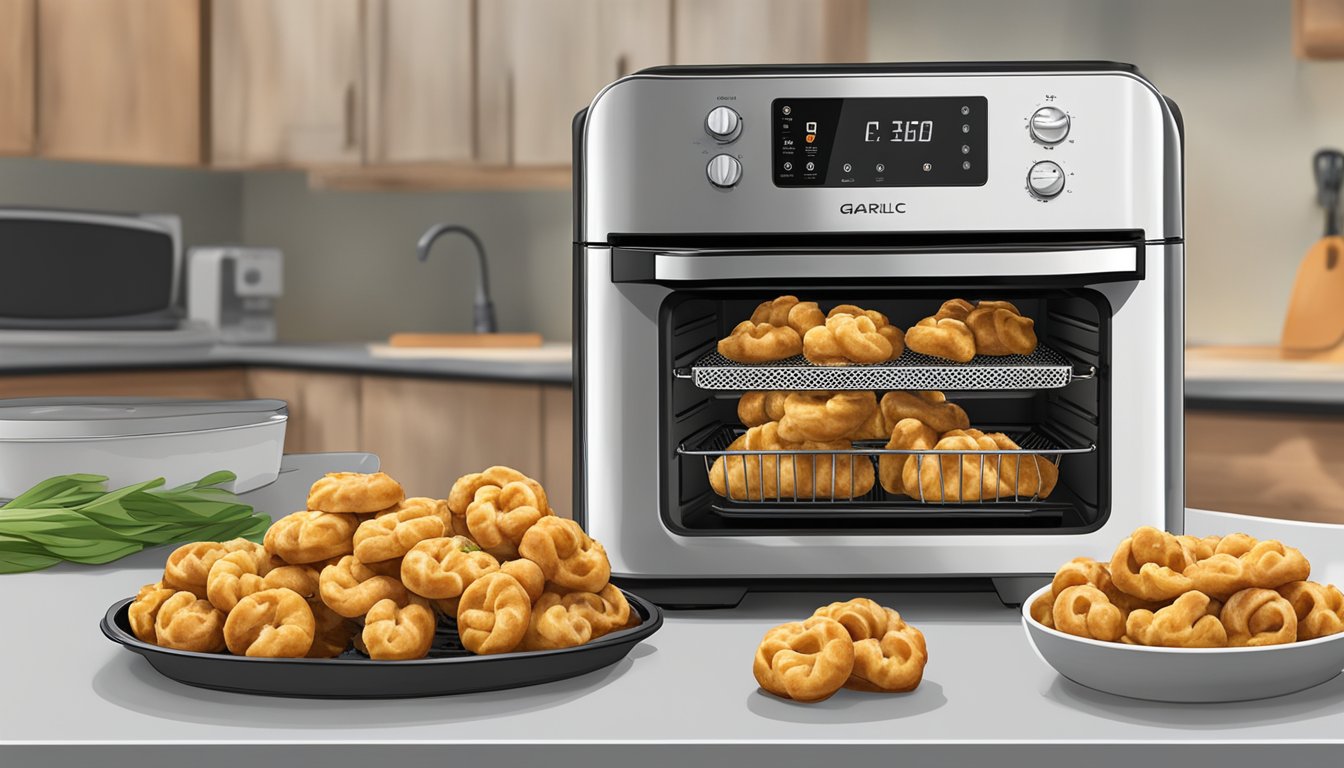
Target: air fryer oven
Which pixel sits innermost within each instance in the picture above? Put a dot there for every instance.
(1064, 197)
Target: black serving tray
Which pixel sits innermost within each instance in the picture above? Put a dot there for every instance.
(449, 669)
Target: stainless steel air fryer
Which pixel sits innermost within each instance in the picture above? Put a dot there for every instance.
(703, 191)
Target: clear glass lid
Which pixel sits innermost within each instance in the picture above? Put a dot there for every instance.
(46, 418)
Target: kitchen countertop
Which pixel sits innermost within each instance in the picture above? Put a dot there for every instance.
(548, 364)
(1252, 377)
(689, 688)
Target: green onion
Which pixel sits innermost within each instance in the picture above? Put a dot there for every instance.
(74, 518)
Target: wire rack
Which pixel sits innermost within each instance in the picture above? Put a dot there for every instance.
(829, 477)
(1042, 369)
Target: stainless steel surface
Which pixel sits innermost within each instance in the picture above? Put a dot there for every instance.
(1045, 179)
(724, 171)
(712, 264)
(724, 124)
(1049, 125)
(644, 134)
(1173, 385)
(1042, 369)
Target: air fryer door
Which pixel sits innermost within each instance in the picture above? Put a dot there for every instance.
(648, 315)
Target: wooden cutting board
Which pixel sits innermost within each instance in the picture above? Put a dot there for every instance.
(467, 340)
(1315, 321)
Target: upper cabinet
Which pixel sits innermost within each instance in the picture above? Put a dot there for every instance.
(287, 85)
(419, 76)
(1318, 29)
(375, 94)
(541, 61)
(770, 31)
(18, 33)
(120, 80)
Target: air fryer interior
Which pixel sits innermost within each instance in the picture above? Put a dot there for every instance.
(1073, 321)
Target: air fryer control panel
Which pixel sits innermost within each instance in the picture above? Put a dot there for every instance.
(900, 142)
(902, 152)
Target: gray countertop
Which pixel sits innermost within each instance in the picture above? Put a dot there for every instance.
(688, 685)
(550, 364)
(1260, 376)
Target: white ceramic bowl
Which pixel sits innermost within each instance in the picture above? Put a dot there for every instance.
(1186, 674)
(131, 440)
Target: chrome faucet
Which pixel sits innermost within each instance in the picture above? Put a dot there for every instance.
(483, 310)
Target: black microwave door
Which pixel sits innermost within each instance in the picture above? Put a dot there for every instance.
(68, 273)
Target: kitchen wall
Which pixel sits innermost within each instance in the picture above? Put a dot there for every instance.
(351, 271)
(209, 203)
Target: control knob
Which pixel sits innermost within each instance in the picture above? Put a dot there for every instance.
(724, 171)
(1049, 125)
(1045, 179)
(724, 124)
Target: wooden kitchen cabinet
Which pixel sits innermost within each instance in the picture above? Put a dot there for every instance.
(120, 80)
(419, 73)
(286, 82)
(557, 438)
(203, 383)
(429, 432)
(18, 37)
(541, 61)
(1268, 464)
(770, 31)
(323, 407)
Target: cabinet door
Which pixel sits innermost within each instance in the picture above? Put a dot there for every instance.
(18, 32)
(203, 384)
(557, 474)
(120, 80)
(286, 82)
(430, 432)
(420, 79)
(323, 407)
(770, 31)
(1282, 465)
(541, 61)
(1318, 29)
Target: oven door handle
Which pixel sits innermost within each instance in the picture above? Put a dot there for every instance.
(1110, 264)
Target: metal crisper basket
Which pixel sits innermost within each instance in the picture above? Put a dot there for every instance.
(1044, 368)
(759, 477)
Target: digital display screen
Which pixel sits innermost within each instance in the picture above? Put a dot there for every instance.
(898, 142)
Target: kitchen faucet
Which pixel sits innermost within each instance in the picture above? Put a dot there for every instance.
(483, 310)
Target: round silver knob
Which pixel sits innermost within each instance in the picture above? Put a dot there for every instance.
(724, 171)
(724, 124)
(1045, 179)
(1049, 125)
